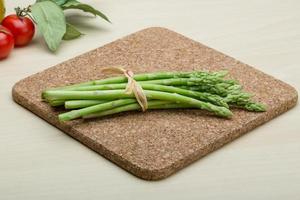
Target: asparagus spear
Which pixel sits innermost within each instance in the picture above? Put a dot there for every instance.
(221, 89)
(74, 104)
(233, 95)
(56, 103)
(201, 83)
(214, 99)
(218, 110)
(115, 94)
(154, 104)
(74, 114)
(253, 106)
(150, 76)
(52, 95)
(243, 100)
(208, 80)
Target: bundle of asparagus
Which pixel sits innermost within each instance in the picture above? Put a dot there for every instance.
(209, 91)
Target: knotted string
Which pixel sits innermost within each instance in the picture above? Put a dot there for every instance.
(132, 86)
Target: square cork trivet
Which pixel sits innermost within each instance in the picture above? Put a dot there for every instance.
(155, 144)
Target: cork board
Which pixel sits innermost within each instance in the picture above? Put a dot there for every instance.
(155, 144)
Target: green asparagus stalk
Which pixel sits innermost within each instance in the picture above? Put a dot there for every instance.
(221, 89)
(214, 99)
(218, 110)
(232, 95)
(203, 83)
(75, 104)
(52, 95)
(74, 114)
(150, 76)
(243, 100)
(237, 98)
(113, 86)
(57, 103)
(208, 80)
(115, 94)
(154, 104)
(253, 106)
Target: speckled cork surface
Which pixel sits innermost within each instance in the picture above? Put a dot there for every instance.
(155, 144)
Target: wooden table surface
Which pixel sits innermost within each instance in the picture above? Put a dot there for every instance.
(37, 161)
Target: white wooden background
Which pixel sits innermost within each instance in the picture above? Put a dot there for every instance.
(37, 161)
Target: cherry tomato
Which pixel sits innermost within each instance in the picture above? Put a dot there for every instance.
(22, 28)
(6, 42)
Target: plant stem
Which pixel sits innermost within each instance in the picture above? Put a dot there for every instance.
(173, 97)
(51, 95)
(153, 76)
(56, 103)
(137, 77)
(75, 104)
(74, 114)
(117, 94)
(221, 89)
(214, 99)
(154, 104)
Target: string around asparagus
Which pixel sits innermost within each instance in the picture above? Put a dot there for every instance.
(132, 85)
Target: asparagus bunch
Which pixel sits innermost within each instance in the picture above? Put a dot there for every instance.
(209, 91)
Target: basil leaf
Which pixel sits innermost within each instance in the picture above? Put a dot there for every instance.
(73, 4)
(71, 33)
(51, 22)
(58, 2)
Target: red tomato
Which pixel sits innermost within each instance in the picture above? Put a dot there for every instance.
(21, 27)
(6, 42)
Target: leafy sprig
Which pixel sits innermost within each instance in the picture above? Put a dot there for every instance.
(51, 21)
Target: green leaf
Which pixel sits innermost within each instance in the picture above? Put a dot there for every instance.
(58, 2)
(71, 33)
(51, 22)
(73, 4)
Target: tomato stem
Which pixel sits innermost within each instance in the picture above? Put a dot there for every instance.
(23, 12)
